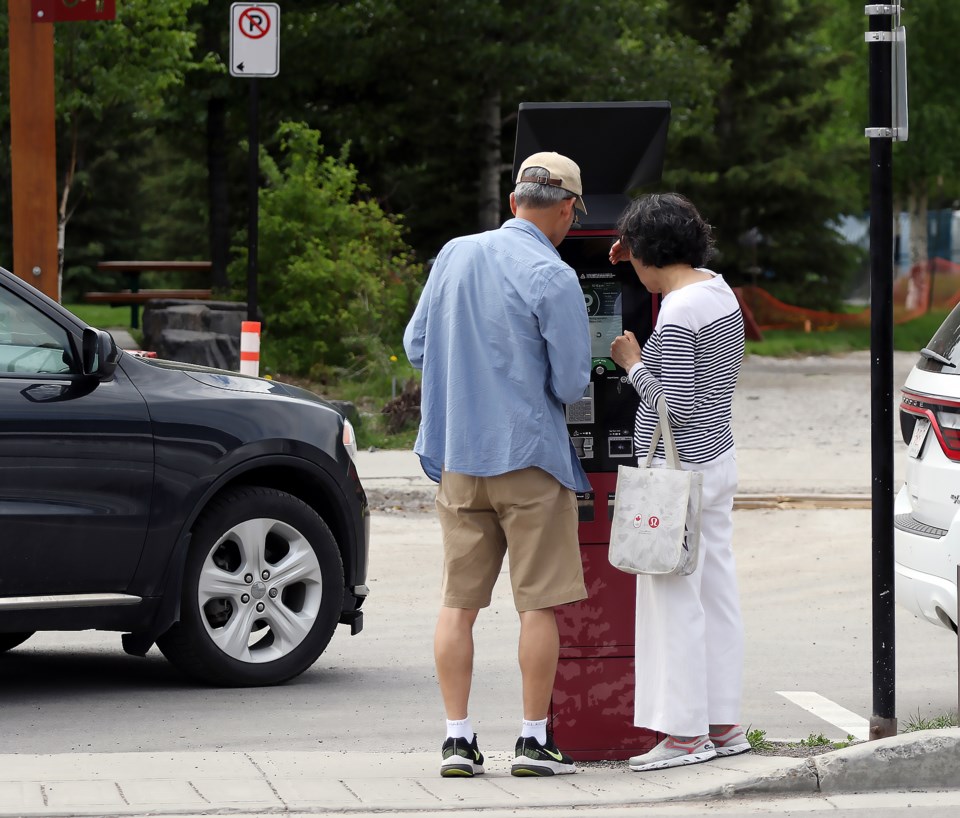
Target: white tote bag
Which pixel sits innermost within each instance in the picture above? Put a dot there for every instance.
(656, 512)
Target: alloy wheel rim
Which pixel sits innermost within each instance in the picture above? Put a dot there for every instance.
(259, 590)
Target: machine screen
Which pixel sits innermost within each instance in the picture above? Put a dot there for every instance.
(601, 293)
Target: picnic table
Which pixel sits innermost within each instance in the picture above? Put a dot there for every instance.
(135, 296)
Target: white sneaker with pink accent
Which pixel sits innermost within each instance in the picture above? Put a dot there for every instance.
(731, 741)
(675, 752)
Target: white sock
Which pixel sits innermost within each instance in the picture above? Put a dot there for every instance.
(535, 729)
(461, 728)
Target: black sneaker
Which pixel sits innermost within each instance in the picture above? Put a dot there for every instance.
(461, 759)
(534, 758)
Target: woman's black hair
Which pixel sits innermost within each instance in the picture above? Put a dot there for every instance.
(665, 228)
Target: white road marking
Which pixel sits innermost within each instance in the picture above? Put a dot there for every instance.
(830, 712)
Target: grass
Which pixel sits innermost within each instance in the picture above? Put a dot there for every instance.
(758, 738)
(909, 336)
(370, 395)
(102, 316)
(820, 740)
(935, 723)
(758, 741)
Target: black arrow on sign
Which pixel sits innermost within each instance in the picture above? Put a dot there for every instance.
(240, 67)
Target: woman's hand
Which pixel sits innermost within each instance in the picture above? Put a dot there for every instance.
(625, 350)
(618, 252)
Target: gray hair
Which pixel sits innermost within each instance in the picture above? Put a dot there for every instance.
(538, 197)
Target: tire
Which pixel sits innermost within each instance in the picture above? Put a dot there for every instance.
(255, 547)
(8, 641)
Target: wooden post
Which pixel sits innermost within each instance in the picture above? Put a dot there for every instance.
(33, 150)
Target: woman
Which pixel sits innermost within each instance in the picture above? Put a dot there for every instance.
(689, 635)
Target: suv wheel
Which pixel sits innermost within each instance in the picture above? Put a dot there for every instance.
(8, 641)
(262, 591)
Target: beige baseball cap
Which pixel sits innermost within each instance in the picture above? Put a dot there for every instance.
(563, 172)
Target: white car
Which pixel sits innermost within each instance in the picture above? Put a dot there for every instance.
(927, 508)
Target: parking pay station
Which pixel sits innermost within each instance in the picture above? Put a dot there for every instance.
(619, 147)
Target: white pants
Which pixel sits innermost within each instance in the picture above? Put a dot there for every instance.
(689, 635)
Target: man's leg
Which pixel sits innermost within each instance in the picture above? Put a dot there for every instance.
(453, 653)
(536, 753)
(539, 518)
(538, 653)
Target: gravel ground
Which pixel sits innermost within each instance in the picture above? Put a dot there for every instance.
(822, 401)
(780, 405)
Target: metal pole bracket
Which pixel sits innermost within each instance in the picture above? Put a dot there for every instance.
(878, 9)
(878, 36)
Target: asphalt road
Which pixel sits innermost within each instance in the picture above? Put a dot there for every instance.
(805, 585)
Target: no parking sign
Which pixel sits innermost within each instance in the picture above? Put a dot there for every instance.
(254, 40)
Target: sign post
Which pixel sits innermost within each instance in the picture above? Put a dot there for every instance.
(882, 132)
(254, 52)
(33, 145)
(33, 151)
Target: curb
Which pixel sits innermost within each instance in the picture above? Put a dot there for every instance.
(801, 501)
(927, 760)
(399, 495)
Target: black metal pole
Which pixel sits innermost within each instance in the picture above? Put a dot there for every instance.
(253, 176)
(883, 723)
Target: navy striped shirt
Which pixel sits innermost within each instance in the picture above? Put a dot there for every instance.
(693, 359)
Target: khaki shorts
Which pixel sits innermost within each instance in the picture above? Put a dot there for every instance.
(525, 514)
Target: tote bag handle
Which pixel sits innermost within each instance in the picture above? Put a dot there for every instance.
(663, 428)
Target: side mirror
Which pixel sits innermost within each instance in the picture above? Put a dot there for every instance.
(100, 353)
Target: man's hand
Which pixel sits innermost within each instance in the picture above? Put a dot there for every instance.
(625, 350)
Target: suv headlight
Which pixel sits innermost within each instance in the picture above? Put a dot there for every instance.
(349, 439)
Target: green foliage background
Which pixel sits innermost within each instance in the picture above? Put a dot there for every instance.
(768, 107)
(338, 281)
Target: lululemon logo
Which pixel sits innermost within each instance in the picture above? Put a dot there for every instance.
(654, 522)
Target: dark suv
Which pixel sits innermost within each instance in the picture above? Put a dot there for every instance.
(217, 515)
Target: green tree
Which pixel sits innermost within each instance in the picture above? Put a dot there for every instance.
(117, 73)
(113, 81)
(337, 281)
(426, 92)
(760, 172)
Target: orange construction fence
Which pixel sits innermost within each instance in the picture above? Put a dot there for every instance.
(911, 299)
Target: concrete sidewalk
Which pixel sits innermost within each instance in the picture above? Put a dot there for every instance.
(356, 783)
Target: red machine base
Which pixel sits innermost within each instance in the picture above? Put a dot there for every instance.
(592, 709)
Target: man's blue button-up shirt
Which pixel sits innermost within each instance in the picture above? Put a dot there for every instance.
(501, 335)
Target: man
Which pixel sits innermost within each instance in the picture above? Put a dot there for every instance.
(502, 337)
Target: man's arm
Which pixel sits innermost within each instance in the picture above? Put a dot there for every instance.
(565, 328)
(414, 336)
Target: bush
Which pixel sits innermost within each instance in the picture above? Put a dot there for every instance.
(337, 283)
